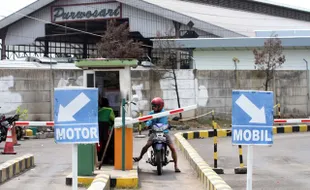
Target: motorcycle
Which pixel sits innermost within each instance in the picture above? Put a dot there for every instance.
(3, 129)
(158, 155)
(5, 123)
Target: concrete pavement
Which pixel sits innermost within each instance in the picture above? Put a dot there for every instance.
(53, 163)
(285, 165)
(149, 179)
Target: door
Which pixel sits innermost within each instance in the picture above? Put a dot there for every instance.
(89, 79)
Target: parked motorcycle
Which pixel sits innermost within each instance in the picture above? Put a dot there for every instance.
(5, 123)
(158, 155)
(3, 129)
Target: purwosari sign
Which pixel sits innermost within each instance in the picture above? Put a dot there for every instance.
(81, 12)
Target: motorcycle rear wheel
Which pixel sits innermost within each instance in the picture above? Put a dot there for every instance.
(159, 163)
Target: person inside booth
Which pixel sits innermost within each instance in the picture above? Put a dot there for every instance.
(106, 118)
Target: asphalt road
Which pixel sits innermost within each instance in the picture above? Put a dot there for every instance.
(53, 164)
(285, 165)
(169, 180)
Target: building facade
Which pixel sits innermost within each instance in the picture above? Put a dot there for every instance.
(61, 28)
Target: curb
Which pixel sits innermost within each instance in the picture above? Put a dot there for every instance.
(205, 134)
(210, 179)
(116, 180)
(82, 180)
(227, 132)
(101, 181)
(16, 166)
(131, 181)
(291, 129)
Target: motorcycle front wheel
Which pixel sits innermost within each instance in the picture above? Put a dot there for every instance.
(159, 163)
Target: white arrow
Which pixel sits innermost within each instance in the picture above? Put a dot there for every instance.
(67, 113)
(257, 115)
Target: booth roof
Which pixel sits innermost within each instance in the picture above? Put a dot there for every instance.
(102, 63)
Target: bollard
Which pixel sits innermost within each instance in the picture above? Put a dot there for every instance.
(278, 116)
(140, 126)
(216, 169)
(279, 111)
(240, 156)
(241, 169)
(215, 146)
(140, 129)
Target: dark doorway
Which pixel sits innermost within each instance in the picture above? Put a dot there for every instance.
(108, 86)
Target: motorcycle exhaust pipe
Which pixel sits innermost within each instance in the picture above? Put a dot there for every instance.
(149, 155)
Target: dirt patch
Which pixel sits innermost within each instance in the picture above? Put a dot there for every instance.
(202, 123)
(194, 124)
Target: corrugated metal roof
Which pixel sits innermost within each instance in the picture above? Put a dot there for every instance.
(220, 21)
(143, 5)
(282, 5)
(242, 22)
(167, 9)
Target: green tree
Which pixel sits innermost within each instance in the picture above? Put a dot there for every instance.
(22, 114)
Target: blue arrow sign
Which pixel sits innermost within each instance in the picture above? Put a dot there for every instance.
(252, 117)
(76, 115)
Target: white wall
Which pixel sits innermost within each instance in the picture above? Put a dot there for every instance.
(145, 89)
(222, 60)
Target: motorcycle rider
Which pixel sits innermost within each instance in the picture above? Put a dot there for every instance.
(157, 107)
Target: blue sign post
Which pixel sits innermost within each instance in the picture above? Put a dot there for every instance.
(76, 120)
(252, 117)
(252, 122)
(76, 115)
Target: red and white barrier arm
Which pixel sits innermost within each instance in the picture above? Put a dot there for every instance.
(158, 115)
(35, 123)
(135, 120)
(307, 120)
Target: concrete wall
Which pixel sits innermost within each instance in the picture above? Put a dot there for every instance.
(31, 89)
(213, 90)
(210, 89)
(146, 85)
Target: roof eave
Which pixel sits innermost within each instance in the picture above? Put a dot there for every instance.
(107, 63)
(14, 17)
(221, 43)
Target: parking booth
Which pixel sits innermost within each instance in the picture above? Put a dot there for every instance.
(112, 77)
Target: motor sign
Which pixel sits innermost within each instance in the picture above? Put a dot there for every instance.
(252, 117)
(76, 115)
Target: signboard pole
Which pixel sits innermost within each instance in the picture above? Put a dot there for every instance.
(250, 167)
(74, 166)
(123, 134)
(76, 121)
(252, 121)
